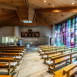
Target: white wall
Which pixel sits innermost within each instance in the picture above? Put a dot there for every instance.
(6, 31)
(16, 31)
(45, 34)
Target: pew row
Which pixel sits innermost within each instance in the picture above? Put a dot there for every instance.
(6, 62)
(54, 53)
(10, 57)
(61, 51)
(49, 51)
(67, 58)
(66, 71)
(16, 56)
(5, 75)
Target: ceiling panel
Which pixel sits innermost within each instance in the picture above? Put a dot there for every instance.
(49, 4)
(48, 17)
(13, 2)
(53, 18)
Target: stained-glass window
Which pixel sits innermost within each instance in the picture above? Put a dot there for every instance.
(72, 32)
(67, 33)
(76, 31)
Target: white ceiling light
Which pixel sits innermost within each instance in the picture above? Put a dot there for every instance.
(27, 21)
(73, 3)
(53, 5)
(45, 1)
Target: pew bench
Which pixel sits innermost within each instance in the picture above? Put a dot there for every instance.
(5, 75)
(66, 71)
(52, 65)
(47, 51)
(70, 69)
(46, 57)
(44, 48)
(60, 59)
(16, 56)
(10, 51)
(53, 53)
(9, 57)
(2, 64)
(8, 63)
(20, 52)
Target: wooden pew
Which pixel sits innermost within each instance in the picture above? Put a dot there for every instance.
(47, 58)
(12, 47)
(55, 52)
(52, 49)
(60, 58)
(13, 51)
(58, 51)
(8, 59)
(70, 69)
(43, 49)
(14, 55)
(47, 54)
(66, 71)
(46, 48)
(5, 75)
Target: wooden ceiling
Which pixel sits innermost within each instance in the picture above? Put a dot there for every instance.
(36, 4)
(54, 18)
(13, 12)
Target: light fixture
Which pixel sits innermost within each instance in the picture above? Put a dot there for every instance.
(26, 21)
(73, 3)
(53, 5)
(45, 1)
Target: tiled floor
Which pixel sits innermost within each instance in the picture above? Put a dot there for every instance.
(33, 66)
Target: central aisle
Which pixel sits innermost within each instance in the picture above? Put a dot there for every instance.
(33, 66)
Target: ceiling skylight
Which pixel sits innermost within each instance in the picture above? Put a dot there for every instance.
(26, 21)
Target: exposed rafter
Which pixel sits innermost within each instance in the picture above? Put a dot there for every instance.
(62, 9)
(6, 16)
(7, 6)
(16, 22)
(43, 22)
(22, 13)
(8, 21)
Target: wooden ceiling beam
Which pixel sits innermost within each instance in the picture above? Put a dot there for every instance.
(7, 6)
(61, 9)
(8, 21)
(14, 21)
(43, 22)
(22, 13)
(18, 23)
(6, 16)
